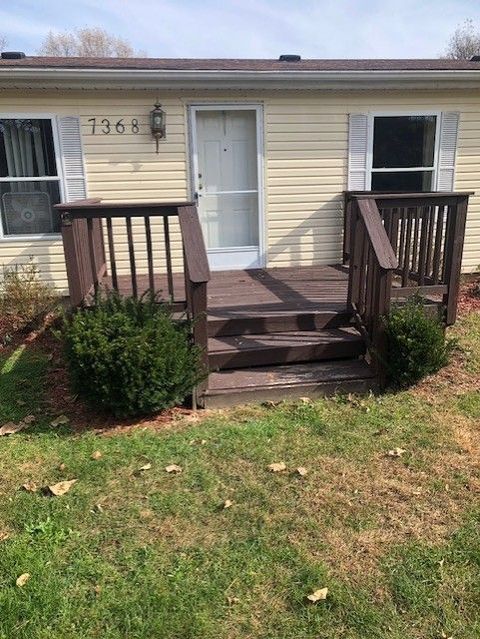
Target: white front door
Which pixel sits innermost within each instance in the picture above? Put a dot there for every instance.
(226, 182)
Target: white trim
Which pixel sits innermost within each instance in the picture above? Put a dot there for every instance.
(399, 113)
(50, 178)
(195, 106)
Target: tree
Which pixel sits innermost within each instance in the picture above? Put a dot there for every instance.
(464, 43)
(3, 42)
(88, 42)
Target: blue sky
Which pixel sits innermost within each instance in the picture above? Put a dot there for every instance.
(249, 28)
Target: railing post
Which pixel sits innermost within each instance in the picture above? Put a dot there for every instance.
(457, 222)
(72, 259)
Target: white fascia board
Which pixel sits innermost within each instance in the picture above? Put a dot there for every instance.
(173, 79)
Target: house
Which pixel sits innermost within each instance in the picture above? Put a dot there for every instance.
(265, 150)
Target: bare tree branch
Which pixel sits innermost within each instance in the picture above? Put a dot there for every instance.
(3, 42)
(464, 43)
(88, 42)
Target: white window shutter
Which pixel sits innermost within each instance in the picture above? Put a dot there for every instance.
(447, 151)
(357, 151)
(72, 157)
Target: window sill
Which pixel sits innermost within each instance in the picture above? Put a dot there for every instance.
(47, 237)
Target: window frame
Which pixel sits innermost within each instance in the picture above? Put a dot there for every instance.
(47, 178)
(405, 113)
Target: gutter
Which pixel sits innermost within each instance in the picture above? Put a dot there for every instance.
(187, 79)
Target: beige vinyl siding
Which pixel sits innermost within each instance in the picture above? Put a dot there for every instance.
(306, 147)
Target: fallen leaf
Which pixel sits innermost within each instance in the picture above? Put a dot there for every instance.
(232, 600)
(59, 421)
(96, 455)
(10, 428)
(100, 508)
(22, 580)
(228, 503)
(62, 466)
(396, 452)
(29, 419)
(277, 467)
(145, 467)
(30, 487)
(62, 487)
(173, 468)
(318, 595)
(97, 589)
(305, 400)
(302, 471)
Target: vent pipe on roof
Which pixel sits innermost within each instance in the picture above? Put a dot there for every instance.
(287, 57)
(12, 55)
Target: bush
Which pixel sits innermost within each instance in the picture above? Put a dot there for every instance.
(130, 357)
(416, 344)
(24, 299)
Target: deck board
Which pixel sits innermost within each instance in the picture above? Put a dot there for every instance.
(259, 291)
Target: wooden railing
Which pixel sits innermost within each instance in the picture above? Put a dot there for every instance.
(426, 232)
(372, 262)
(91, 227)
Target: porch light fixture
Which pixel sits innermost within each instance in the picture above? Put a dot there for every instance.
(157, 123)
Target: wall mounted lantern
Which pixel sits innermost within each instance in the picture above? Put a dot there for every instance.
(157, 123)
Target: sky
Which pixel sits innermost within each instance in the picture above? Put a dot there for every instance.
(249, 28)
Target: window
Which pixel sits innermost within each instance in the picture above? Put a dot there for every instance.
(29, 180)
(403, 153)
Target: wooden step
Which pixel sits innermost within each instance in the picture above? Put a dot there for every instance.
(314, 379)
(240, 323)
(283, 348)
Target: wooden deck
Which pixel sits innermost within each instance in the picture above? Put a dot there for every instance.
(275, 291)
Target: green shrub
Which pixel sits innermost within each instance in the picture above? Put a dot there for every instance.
(130, 357)
(416, 343)
(24, 299)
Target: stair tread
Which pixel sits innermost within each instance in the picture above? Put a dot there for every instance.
(250, 312)
(283, 339)
(287, 375)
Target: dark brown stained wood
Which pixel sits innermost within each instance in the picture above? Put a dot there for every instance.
(455, 259)
(408, 291)
(168, 257)
(416, 232)
(198, 313)
(194, 246)
(131, 254)
(120, 209)
(148, 238)
(72, 261)
(286, 321)
(92, 256)
(378, 237)
(430, 235)
(437, 251)
(282, 348)
(422, 254)
(406, 259)
(111, 250)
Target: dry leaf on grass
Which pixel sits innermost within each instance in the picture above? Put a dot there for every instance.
(59, 421)
(302, 471)
(30, 487)
(22, 580)
(232, 600)
(277, 467)
(96, 455)
(318, 595)
(396, 452)
(173, 468)
(62, 466)
(145, 467)
(228, 503)
(62, 487)
(10, 428)
(305, 400)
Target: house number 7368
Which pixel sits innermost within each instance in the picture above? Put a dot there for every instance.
(106, 126)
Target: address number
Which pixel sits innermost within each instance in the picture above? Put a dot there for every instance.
(106, 126)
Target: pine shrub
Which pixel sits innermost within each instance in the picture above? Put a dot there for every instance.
(130, 357)
(416, 343)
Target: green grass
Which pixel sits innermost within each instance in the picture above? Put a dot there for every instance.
(143, 554)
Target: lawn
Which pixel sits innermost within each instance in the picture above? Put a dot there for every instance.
(132, 551)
